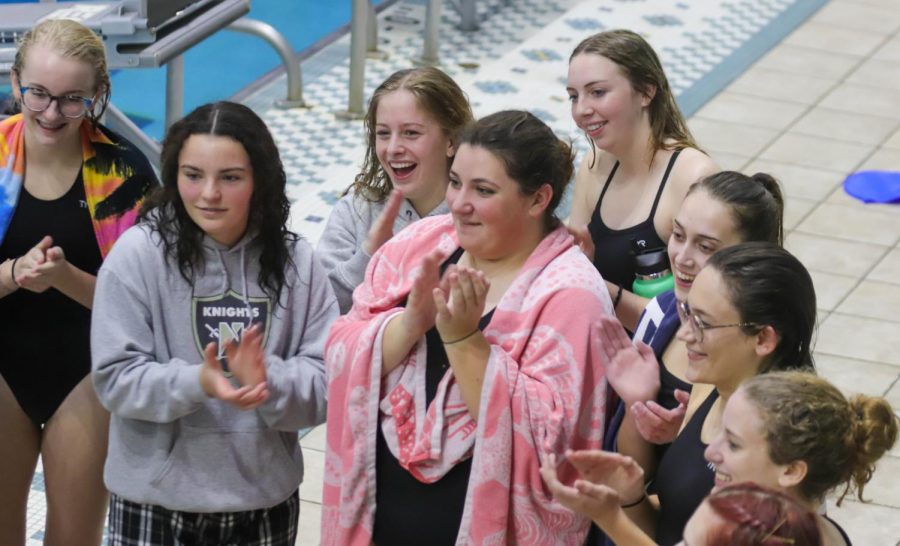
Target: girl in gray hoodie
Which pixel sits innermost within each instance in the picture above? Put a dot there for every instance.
(209, 324)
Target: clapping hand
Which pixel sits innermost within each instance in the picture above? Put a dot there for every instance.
(216, 385)
(657, 424)
(28, 273)
(246, 359)
(459, 312)
(418, 316)
(606, 481)
(632, 370)
(383, 228)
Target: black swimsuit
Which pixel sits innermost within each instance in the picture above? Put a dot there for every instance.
(683, 478)
(46, 335)
(408, 511)
(613, 247)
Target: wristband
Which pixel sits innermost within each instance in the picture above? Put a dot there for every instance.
(618, 297)
(12, 272)
(467, 336)
(637, 502)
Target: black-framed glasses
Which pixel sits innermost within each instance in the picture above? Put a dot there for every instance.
(70, 106)
(698, 326)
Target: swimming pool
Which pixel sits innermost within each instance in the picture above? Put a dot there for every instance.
(227, 62)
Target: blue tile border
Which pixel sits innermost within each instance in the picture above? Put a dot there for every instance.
(694, 97)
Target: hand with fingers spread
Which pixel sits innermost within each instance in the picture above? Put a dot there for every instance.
(246, 360)
(657, 424)
(583, 240)
(631, 369)
(459, 312)
(383, 228)
(216, 385)
(418, 317)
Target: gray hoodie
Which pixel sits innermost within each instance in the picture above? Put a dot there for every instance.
(169, 444)
(340, 247)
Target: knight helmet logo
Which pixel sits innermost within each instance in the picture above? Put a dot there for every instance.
(223, 318)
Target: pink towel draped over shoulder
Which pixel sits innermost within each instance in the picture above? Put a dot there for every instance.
(543, 392)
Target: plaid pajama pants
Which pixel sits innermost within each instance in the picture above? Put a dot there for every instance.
(134, 524)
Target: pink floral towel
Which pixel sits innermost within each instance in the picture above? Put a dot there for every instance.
(543, 392)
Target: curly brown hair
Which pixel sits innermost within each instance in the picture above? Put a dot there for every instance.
(807, 419)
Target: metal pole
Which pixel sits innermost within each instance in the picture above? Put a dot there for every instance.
(357, 61)
(119, 122)
(468, 15)
(291, 66)
(174, 90)
(372, 51)
(432, 27)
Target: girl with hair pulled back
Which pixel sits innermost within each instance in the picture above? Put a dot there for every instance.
(751, 310)
(69, 187)
(643, 158)
(468, 355)
(719, 211)
(797, 433)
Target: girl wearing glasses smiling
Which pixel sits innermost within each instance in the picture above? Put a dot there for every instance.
(751, 310)
(721, 210)
(68, 188)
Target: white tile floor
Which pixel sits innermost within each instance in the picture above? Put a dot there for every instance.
(823, 103)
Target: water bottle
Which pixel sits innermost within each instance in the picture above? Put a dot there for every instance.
(652, 273)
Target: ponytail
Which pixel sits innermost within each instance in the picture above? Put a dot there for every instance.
(756, 203)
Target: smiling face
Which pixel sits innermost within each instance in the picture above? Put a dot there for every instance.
(412, 149)
(740, 452)
(726, 356)
(493, 218)
(604, 104)
(44, 69)
(215, 182)
(702, 226)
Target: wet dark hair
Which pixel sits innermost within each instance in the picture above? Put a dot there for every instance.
(756, 203)
(531, 153)
(269, 205)
(770, 287)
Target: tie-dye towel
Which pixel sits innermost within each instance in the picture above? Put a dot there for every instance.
(116, 177)
(543, 392)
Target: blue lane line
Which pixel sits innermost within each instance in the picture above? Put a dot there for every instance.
(694, 97)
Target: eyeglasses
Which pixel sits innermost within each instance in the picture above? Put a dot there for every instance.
(70, 106)
(698, 326)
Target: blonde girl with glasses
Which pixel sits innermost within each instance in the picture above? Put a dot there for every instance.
(68, 188)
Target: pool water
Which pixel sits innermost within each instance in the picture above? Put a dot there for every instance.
(227, 61)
